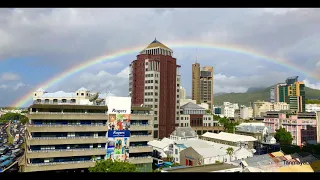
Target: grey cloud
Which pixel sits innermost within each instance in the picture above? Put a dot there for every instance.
(65, 37)
(102, 82)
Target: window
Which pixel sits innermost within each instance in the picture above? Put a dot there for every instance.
(181, 125)
(176, 151)
(156, 112)
(82, 94)
(155, 106)
(35, 94)
(155, 118)
(155, 100)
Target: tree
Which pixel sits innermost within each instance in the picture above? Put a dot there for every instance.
(24, 120)
(230, 151)
(228, 125)
(112, 166)
(283, 136)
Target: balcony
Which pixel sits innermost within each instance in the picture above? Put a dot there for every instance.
(67, 116)
(65, 152)
(140, 127)
(140, 160)
(58, 166)
(141, 117)
(138, 149)
(65, 140)
(137, 138)
(67, 128)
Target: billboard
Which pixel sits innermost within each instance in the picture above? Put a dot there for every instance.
(118, 145)
(119, 110)
(118, 105)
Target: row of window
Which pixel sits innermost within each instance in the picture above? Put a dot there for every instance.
(150, 100)
(151, 106)
(151, 75)
(150, 87)
(151, 81)
(150, 93)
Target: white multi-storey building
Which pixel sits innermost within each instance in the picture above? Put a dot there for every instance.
(183, 93)
(228, 109)
(312, 107)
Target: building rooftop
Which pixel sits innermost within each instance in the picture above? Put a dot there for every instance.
(191, 106)
(184, 132)
(206, 152)
(69, 106)
(196, 143)
(155, 43)
(204, 168)
(229, 137)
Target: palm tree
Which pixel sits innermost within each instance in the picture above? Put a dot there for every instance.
(230, 151)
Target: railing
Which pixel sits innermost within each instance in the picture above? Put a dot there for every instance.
(82, 137)
(62, 150)
(66, 103)
(140, 146)
(55, 163)
(68, 125)
(68, 113)
(139, 135)
(141, 157)
(134, 124)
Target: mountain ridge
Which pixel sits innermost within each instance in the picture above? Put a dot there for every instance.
(263, 94)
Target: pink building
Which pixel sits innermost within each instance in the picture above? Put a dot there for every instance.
(302, 126)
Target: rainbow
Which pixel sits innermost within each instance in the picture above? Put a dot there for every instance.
(229, 48)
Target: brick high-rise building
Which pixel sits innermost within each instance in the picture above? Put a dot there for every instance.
(202, 84)
(154, 82)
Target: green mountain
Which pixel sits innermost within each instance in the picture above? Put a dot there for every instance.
(264, 94)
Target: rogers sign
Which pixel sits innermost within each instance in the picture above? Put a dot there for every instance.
(118, 105)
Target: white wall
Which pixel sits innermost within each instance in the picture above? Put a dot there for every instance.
(118, 105)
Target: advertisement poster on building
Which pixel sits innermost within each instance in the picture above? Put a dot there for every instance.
(118, 145)
(119, 122)
(119, 110)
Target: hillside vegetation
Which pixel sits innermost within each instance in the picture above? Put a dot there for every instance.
(264, 94)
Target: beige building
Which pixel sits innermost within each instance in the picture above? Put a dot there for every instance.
(62, 137)
(202, 84)
(260, 107)
(71, 134)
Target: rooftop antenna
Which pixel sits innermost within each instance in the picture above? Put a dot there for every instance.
(196, 55)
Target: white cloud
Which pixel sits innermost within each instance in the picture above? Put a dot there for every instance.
(8, 76)
(102, 82)
(224, 83)
(311, 85)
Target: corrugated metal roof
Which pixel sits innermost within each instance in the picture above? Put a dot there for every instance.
(229, 137)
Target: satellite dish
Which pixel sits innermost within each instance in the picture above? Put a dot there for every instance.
(100, 100)
(94, 97)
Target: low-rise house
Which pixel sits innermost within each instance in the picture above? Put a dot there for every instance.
(210, 152)
(256, 130)
(183, 133)
(230, 139)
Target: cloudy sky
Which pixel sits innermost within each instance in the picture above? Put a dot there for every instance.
(38, 44)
